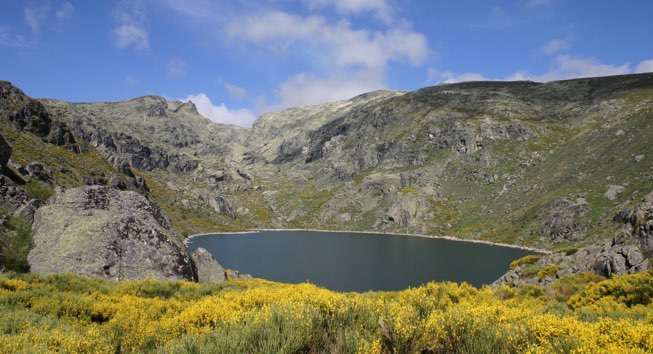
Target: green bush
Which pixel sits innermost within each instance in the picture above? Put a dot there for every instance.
(38, 190)
(15, 243)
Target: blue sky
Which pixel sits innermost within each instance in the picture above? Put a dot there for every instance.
(238, 59)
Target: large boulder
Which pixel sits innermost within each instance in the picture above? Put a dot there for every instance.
(208, 269)
(97, 231)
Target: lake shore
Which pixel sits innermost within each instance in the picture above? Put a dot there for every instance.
(450, 238)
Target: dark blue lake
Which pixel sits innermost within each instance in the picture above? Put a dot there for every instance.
(358, 262)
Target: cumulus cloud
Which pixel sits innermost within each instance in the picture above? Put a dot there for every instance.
(568, 67)
(437, 76)
(234, 91)
(563, 67)
(176, 67)
(307, 89)
(130, 28)
(342, 45)
(379, 8)
(220, 113)
(338, 59)
(555, 45)
(645, 66)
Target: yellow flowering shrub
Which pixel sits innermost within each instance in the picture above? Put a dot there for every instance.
(73, 314)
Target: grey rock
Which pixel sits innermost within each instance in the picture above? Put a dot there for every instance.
(10, 194)
(560, 221)
(37, 170)
(613, 191)
(5, 152)
(219, 204)
(234, 274)
(207, 268)
(96, 231)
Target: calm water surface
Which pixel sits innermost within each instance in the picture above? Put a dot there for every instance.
(358, 262)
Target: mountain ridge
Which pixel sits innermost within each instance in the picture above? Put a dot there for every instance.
(543, 165)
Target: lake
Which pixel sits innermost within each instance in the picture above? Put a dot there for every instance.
(355, 261)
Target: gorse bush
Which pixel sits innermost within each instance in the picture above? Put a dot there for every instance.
(530, 259)
(66, 313)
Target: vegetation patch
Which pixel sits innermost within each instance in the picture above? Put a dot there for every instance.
(65, 313)
(530, 259)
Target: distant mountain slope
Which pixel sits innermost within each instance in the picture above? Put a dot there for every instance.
(545, 165)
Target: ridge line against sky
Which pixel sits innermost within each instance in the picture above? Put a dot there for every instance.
(238, 59)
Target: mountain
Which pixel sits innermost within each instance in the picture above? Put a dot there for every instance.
(541, 165)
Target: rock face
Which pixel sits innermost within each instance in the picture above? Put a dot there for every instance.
(10, 194)
(638, 223)
(560, 221)
(208, 269)
(629, 251)
(96, 231)
(5, 152)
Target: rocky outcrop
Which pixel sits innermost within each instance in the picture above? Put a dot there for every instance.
(638, 223)
(207, 268)
(5, 152)
(220, 205)
(560, 221)
(96, 231)
(29, 115)
(10, 194)
(629, 251)
(36, 170)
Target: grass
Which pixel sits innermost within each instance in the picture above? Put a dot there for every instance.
(38, 190)
(15, 242)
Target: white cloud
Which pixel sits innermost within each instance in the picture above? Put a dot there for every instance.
(10, 40)
(220, 113)
(645, 66)
(438, 76)
(130, 28)
(131, 81)
(41, 15)
(176, 67)
(379, 8)
(35, 15)
(564, 67)
(536, 3)
(569, 67)
(338, 59)
(555, 45)
(340, 44)
(65, 11)
(348, 61)
(234, 91)
(307, 89)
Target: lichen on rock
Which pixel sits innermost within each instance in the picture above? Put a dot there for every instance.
(96, 231)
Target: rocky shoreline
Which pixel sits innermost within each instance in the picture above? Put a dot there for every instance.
(450, 238)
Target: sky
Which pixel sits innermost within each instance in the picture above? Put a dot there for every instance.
(238, 59)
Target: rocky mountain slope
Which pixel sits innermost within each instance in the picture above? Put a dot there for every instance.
(543, 165)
